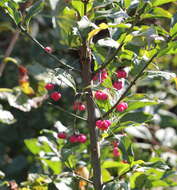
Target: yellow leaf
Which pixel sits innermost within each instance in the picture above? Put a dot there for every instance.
(102, 26)
(26, 88)
(10, 59)
(6, 90)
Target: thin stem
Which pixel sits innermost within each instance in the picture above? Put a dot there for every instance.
(72, 114)
(49, 54)
(130, 86)
(9, 50)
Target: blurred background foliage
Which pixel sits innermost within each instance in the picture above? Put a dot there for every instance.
(53, 29)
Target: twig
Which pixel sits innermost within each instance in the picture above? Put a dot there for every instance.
(80, 177)
(130, 86)
(9, 50)
(72, 114)
(49, 54)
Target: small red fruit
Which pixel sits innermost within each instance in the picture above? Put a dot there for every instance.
(73, 139)
(118, 85)
(99, 95)
(103, 124)
(49, 86)
(81, 138)
(55, 96)
(62, 135)
(116, 152)
(122, 106)
(81, 107)
(48, 49)
(121, 74)
(22, 70)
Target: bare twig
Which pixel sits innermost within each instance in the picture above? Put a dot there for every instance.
(24, 31)
(9, 50)
(72, 114)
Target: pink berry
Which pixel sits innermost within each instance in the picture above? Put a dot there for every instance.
(49, 86)
(118, 85)
(104, 74)
(121, 74)
(116, 152)
(81, 107)
(99, 95)
(73, 139)
(122, 106)
(55, 96)
(62, 135)
(48, 49)
(81, 138)
(103, 124)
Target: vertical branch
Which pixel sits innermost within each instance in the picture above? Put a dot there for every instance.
(9, 50)
(86, 61)
(94, 145)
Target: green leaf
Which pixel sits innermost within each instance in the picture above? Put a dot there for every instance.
(55, 165)
(12, 9)
(32, 145)
(161, 2)
(2, 2)
(137, 180)
(112, 186)
(106, 176)
(157, 12)
(34, 10)
(163, 74)
(127, 3)
(137, 117)
(110, 164)
(133, 105)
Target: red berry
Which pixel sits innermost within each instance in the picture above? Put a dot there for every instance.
(99, 95)
(62, 135)
(116, 152)
(103, 124)
(22, 70)
(121, 74)
(81, 107)
(55, 96)
(104, 74)
(122, 106)
(118, 85)
(81, 138)
(48, 49)
(95, 77)
(73, 139)
(49, 86)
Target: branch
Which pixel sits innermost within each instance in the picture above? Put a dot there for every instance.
(9, 50)
(130, 86)
(49, 54)
(72, 114)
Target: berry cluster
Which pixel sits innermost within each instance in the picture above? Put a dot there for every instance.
(100, 95)
(75, 138)
(103, 124)
(79, 106)
(54, 95)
